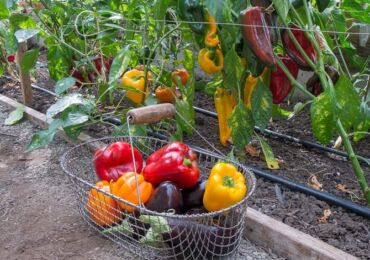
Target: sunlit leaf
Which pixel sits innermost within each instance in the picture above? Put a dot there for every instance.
(261, 104)
(241, 124)
(322, 118)
(15, 116)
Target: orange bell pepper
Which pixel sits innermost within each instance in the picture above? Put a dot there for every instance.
(165, 94)
(102, 209)
(125, 188)
(182, 74)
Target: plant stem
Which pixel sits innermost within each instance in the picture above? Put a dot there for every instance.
(355, 163)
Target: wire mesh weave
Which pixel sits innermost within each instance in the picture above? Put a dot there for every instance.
(212, 235)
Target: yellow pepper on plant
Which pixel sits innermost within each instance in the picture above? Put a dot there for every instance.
(136, 79)
(211, 38)
(251, 83)
(211, 61)
(225, 187)
(224, 103)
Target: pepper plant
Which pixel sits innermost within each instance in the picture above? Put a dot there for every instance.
(283, 36)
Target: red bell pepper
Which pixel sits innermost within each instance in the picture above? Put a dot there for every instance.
(293, 52)
(280, 85)
(175, 162)
(115, 160)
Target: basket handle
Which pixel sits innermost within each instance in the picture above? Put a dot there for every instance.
(151, 114)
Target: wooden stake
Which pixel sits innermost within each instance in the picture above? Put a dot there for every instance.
(24, 77)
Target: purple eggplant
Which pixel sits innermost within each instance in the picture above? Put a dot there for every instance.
(166, 197)
(193, 197)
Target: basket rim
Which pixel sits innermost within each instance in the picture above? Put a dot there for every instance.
(142, 209)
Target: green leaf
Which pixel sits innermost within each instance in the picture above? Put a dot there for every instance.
(119, 65)
(1, 69)
(23, 35)
(58, 62)
(15, 116)
(282, 7)
(158, 225)
(22, 21)
(63, 84)
(261, 105)
(44, 137)
(65, 102)
(362, 123)
(278, 112)
(124, 227)
(298, 108)
(40, 139)
(185, 116)
(4, 11)
(241, 124)
(358, 9)
(233, 70)
(271, 161)
(322, 117)
(74, 118)
(29, 59)
(348, 100)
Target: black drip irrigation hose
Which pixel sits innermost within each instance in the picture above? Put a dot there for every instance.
(324, 196)
(292, 139)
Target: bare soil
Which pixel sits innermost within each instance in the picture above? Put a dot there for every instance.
(345, 230)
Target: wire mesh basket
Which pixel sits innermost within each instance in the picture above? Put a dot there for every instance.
(150, 234)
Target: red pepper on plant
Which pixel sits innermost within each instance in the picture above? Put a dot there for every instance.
(11, 58)
(175, 162)
(280, 84)
(257, 35)
(115, 160)
(293, 52)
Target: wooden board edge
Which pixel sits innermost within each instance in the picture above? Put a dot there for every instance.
(286, 241)
(261, 229)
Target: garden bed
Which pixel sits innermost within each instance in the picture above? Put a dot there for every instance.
(344, 230)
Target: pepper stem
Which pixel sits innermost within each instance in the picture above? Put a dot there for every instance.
(187, 162)
(228, 181)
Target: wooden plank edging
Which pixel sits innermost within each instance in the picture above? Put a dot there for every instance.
(261, 229)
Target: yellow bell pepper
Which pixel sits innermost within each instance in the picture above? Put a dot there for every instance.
(211, 64)
(251, 83)
(135, 79)
(211, 38)
(224, 103)
(225, 187)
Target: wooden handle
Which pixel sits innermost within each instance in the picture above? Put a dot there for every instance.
(151, 114)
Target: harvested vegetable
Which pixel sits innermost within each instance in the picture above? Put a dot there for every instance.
(175, 162)
(126, 188)
(166, 197)
(193, 197)
(225, 187)
(115, 160)
(102, 208)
